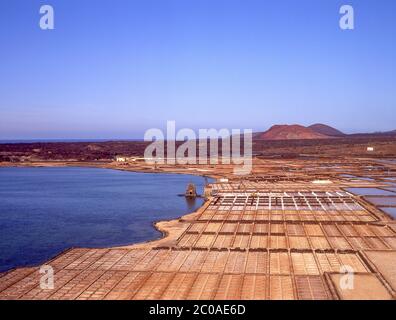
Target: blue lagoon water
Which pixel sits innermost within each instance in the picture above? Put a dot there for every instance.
(44, 211)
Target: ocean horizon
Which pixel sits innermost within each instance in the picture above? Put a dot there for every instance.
(5, 141)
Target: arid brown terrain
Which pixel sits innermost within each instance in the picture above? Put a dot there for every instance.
(291, 132)
(292, 229)
(384, 146)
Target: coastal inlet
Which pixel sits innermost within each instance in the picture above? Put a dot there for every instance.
(44, 211)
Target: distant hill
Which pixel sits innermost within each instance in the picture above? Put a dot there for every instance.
(326, 130)
(374, 134)
(290, 132)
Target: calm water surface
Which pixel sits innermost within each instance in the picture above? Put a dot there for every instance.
(371, 192)
(46, 210)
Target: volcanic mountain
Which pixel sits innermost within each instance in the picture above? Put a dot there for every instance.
(326, 130)
(288, 132)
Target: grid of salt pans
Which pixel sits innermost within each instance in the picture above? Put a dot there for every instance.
(182, 274)
(294, 236)
(318, 201)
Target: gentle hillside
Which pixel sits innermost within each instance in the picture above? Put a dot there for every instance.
(326, 130)
(290, 132)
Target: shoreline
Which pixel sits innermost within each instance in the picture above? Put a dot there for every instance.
(108, 165)
(275, 234)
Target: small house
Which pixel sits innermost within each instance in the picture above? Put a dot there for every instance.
(121, 159)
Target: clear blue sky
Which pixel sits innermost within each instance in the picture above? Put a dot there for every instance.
(114, 68)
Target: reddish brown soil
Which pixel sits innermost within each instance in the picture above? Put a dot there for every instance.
(384, 146)
(286, 132)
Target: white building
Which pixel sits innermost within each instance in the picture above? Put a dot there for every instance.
(127, 159)
(121, 159)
